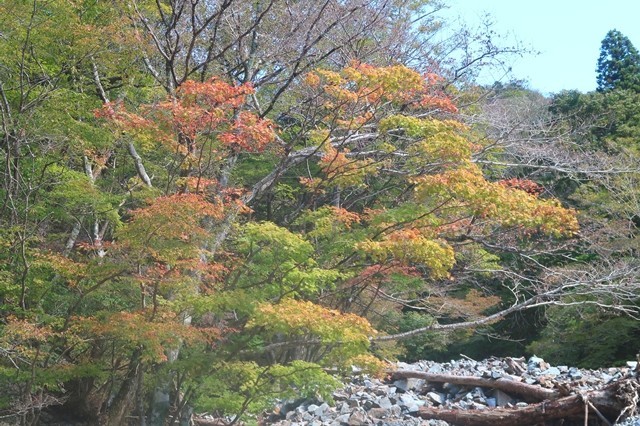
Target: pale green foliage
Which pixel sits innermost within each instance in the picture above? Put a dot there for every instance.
(279, 262)
(246, 387)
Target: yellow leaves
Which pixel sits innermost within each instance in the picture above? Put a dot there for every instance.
(304, 318)
(440, 141)
(358, 90)
(411, 245)
(472, 194)
(371, 365)
(342, 171)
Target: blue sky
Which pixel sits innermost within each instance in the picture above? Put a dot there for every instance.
(567, 33)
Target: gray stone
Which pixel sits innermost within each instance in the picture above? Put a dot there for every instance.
(607, 378)
(502, 399)
(339, 395)
(436, 398)
(406, 399)
(435, 369)
(575, 374)
(496, 375)
(632, 364)
(379, 413)
(405, 385)
(357, 418)
(320, 410)
(534, 362)
(343, 418)
(412, 408)
(491, 402)
(552, 371)
(385, 402)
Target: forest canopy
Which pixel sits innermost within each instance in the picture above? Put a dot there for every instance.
(207, 206)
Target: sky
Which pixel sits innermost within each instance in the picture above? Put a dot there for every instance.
(567, 33)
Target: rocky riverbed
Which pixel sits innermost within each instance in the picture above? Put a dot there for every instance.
(370, 401)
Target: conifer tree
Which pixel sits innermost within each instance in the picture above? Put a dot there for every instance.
(618, 64)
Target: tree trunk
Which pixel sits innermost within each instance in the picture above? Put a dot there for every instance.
(124, 401)
(529, 392)
(608, 402)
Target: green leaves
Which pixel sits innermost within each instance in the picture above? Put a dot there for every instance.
(279, 263)
(618, 64)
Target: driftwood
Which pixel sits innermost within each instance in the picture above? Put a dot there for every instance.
(606, 404)
(529, 392)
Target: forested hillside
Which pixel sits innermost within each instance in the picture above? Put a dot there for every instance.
(210, 205)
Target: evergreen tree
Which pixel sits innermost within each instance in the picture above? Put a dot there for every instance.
(618, 64)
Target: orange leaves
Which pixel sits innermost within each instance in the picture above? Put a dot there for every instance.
(360, 89)
(525, 185)
(345, 216)
(169, 228)
(184, 208)
(248, 133)
(135, 330)
(213, 93)
(207, 110)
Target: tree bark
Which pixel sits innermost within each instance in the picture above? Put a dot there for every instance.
(529, 392)
(609, 401)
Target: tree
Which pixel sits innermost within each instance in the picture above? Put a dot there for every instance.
(178, 251)
(618, 64)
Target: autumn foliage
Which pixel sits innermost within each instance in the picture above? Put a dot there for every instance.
(184, 281)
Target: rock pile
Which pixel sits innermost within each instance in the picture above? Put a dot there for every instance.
(369, 401)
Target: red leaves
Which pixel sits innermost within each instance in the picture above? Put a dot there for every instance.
(197, 111)
(525, 185)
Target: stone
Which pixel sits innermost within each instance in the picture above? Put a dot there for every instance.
(491, 402)
(552, 371)
(502, 399)
(436, 398)
(385, 402)
(357, 418)
(343, 418)
(378, 413)
(535, 360)
(575, 374)
(319, 412)
(435, 369)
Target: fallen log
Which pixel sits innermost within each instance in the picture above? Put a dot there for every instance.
(608, 402)
(529, 392)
